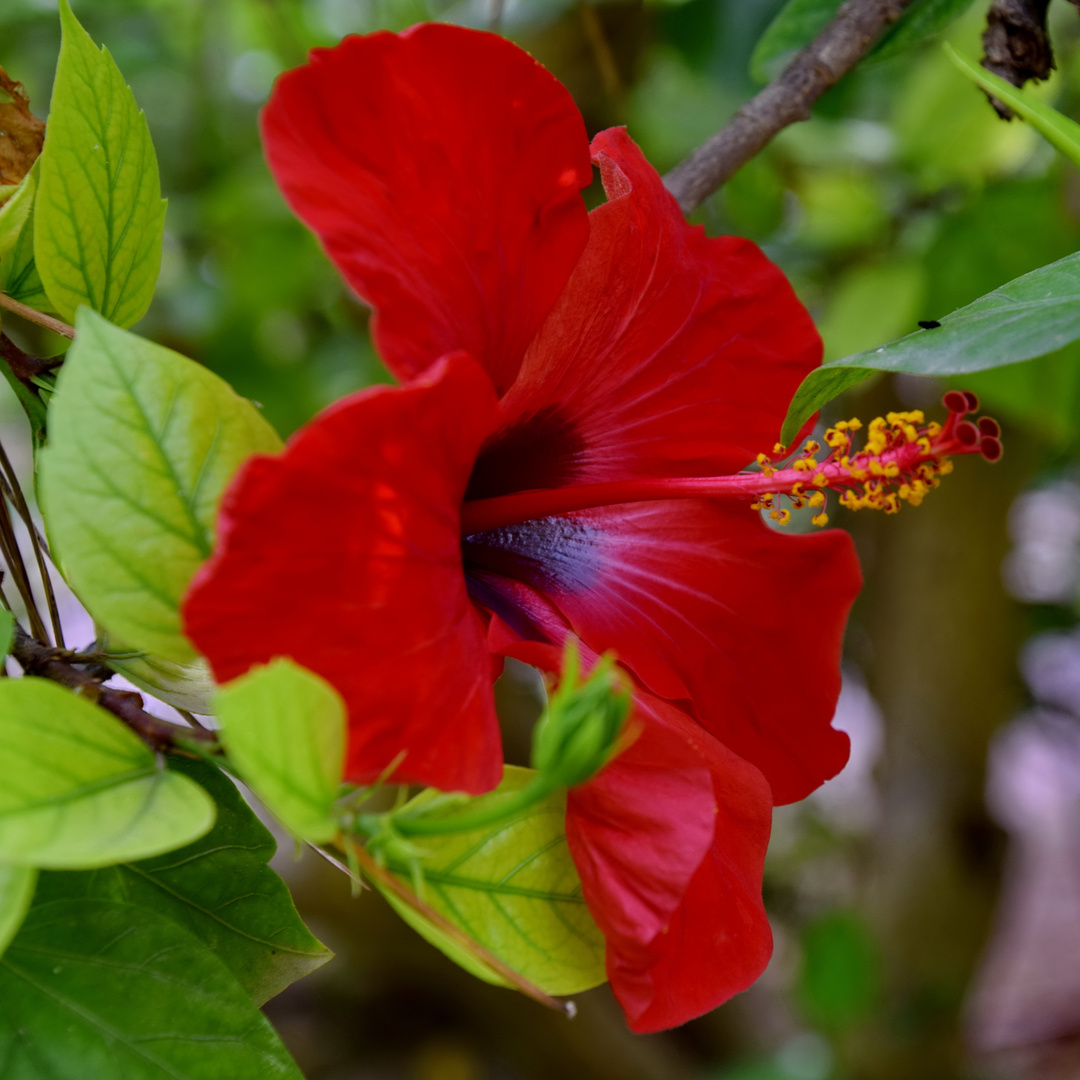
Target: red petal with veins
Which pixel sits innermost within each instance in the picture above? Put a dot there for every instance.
(718, 940)
(639, 830)
(441, 169)
(668, 353)
(344, 553)
(699, 600)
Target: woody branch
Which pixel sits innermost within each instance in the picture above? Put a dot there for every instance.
(858, 24)
(46, 662)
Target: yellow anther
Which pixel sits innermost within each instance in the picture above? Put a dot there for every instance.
(816, 499)
(820, 519)
(797, 488)
(778, 448)
(756, 505)
(933, 429)
(782, 516)
(766, 466)
(820, 480)
(853, 425)
(811, 446)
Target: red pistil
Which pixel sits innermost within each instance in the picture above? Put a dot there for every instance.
(901, 461)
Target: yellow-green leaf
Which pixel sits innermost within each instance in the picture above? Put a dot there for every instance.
(514, 889)
(142, 444)
(80, 789)
(284, 730)
(99, 217)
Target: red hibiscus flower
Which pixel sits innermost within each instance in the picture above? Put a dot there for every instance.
(544, 350)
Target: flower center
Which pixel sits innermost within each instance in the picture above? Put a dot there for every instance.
(901, 460)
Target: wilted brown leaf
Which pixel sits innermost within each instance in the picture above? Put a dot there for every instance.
(22, 134)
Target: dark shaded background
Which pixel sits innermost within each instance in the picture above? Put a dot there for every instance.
(927, 903)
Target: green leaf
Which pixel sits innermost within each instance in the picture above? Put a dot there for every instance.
(797, 24)
(219, 888)
(284, 730)
(19, 277)
(100, 217)
(513, 889)
(1030, 316)
(187, 686)
(81, 790)
(142, 445)
(7, 632)
(1058, 130)
(920, 21)
(16, 892)
(14, 212)
(93, 989)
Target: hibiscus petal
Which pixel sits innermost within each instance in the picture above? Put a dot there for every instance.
(718, 940)
(639, 830)
(668, 353)
(441, 169)
(669, 840)
(343, 552)
(701, 601)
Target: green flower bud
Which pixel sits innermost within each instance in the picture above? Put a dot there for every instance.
(579, 733)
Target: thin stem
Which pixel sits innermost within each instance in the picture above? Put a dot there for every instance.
(9, 548)
(476, 816)
(602, 54)
(46, 662)
(458, 936)
(191, 718)
(854, 30)
(33, 315)
(337, 864)
(15, 493)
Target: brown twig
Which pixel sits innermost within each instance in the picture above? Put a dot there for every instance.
(858, 24)
(46, 662)
(33, 315)
(9, 549)
(23, 366)
(13, 491)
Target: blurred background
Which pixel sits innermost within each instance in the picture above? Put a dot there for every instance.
(926, 903)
